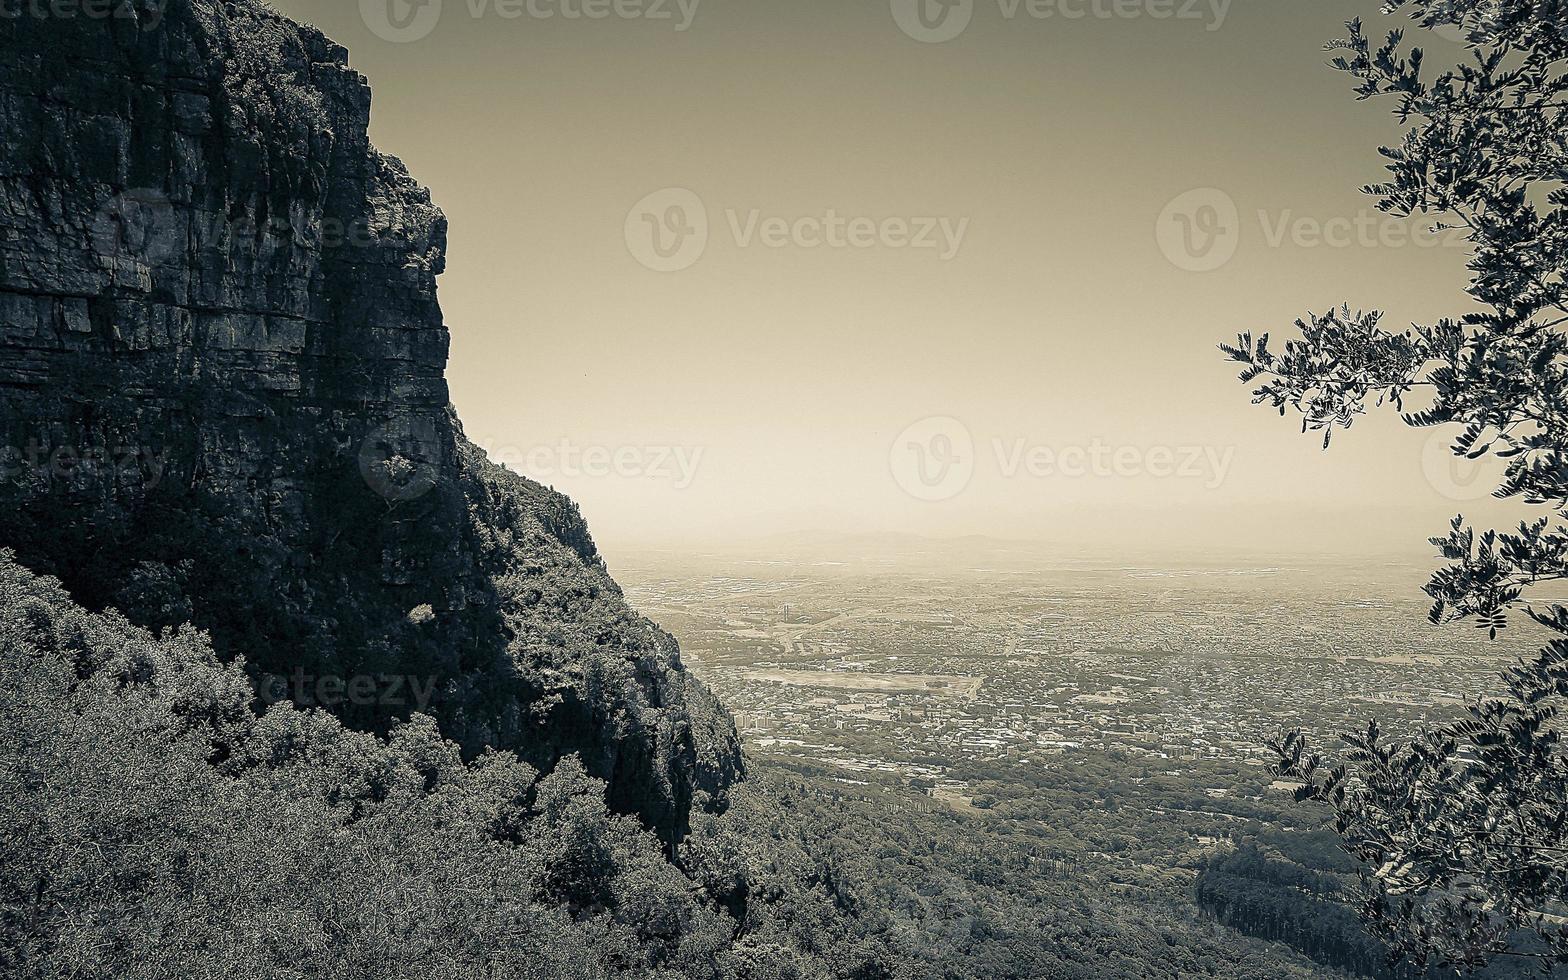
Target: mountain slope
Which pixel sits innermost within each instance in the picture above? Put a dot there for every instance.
(222, 400)
(157, 826)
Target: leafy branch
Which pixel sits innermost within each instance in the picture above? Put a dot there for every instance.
(1463, 831)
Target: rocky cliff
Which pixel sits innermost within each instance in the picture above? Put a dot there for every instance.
(222, 400)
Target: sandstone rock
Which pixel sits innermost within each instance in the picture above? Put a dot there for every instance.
(208, 273)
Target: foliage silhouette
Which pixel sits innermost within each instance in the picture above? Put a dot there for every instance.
(1464, 831)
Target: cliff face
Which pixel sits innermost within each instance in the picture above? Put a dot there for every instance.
(222, 400)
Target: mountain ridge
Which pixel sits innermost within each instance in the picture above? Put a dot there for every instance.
(223, 401)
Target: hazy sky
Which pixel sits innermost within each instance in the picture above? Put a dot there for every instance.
(978, 247)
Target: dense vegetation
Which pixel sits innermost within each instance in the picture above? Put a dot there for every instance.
(1281, 900)
(159, 824)
(1299, 888)
(1464, 830)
